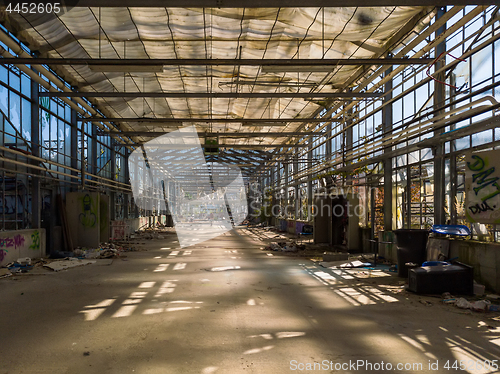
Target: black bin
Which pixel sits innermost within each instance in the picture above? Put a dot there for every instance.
(412, 244)
(457, 279)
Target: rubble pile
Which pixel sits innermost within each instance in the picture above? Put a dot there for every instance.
(105, 250)
(21, 266)
(150, 233)
(62, 260)
(481, 305)
(286, 246)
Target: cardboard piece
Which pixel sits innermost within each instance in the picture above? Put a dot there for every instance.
(66, 264)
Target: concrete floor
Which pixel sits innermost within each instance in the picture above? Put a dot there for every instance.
(164, 311)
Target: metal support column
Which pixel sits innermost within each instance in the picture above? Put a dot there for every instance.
(328, 144)
(112, 194)
(36, 201)
(348, 143)
(453, 162)
(126, 197)
(310, 202)
(92, 157)
(408, 197)
(74, 145)
(287, 200)
(136, 202)
(296, 187)
(387, 130)
(439, 97)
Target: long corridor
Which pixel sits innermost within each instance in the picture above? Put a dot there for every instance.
(226, 306)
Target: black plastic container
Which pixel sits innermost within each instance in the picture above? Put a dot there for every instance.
(412, 247)
(457, 279)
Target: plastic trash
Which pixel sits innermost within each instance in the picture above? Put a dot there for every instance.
(494, 308)
(480, 305)
(435, 263)
(463, 304)
(479, 289)
(24, 261)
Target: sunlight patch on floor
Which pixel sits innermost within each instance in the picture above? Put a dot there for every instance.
(258, 350)
(147, 285)
(124, 311)
(180, 266)
(161, 267)
(166, 287)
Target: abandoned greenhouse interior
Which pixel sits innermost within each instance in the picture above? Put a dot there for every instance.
(249, 187)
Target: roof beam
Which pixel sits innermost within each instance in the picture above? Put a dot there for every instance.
(245, 121)
(215, 134)
(217, 95)
(114, 63)
(268, 3)
(173, 147)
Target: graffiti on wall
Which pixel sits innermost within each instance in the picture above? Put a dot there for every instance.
(35, 241)
(25, 243)
(3, 253)
(15, 241)
(88, 217)
(482, 187)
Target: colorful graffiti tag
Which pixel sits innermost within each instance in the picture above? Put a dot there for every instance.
(21, 243)
(15, 241)
(482, 187)
(3, 253)
(88, 217)
(35, 241)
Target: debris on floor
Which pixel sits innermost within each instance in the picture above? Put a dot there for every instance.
(285, 246)
(105, 250)
(66, 264)
(223, 268)
(4, 272)
(476, 305)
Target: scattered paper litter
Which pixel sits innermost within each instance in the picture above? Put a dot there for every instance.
(66, 264)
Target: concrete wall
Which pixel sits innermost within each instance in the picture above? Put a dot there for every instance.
(143, 222)
(121, 229)
(104, 218)
(388, 251)
(484, 257)
(22, 243)
(83, 212)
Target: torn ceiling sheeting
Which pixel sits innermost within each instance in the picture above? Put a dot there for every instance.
(181, 33)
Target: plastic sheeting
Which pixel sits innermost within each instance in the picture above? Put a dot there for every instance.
(253, 33)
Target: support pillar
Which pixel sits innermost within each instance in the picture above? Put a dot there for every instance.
(92, 157)
(387, 130)
(310, 202)
(439, 97)
(287, 200)
(112, 194)
(74, 146)
(296, 186)
(126, 197)
(348, 143)
(36, 201)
